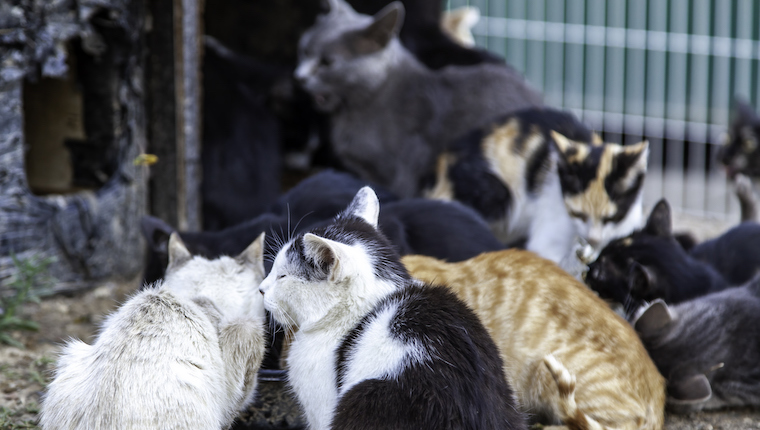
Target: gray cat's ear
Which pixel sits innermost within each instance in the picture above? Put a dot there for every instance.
(178, 253)
(365, 206)
(253, 255)
(325, 253)
(386, 24)
(688, 385)
(658, 223)
(655, 317)
(641, 280)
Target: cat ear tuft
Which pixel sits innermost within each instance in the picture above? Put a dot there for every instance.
(253, 255)
(156, 233)
(659, 223)
(639, 152)
(655, 317)
(365, 206)
(178, 253)
(332, 6)
(323, 252)
(386, 24)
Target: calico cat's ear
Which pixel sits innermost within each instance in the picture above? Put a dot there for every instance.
(385, 25)
(634, 155)
(365, 206)
(178, 253)
(570, 151)
(641, 281)
(253, 255)
(325, 253)
(655, 317)
(658, 223)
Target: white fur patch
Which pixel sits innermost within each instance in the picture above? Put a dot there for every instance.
(378, 354)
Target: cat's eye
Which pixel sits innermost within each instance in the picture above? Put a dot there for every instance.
(281, 276)
(325, 61)
(579, 215)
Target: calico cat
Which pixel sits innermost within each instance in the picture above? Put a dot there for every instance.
(183, 354)
(542, 175)
(372, 348)
(741, 157)
(390, 116)
(707, 347)
(546, 325)
(650, 264)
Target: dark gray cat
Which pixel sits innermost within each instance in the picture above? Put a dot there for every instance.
(708, 347)
(390, 115)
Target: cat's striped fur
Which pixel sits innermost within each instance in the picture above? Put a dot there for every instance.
(567, 355)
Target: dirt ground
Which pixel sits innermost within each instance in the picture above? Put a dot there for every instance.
(24, 372)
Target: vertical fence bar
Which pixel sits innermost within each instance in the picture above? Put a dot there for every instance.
(555, 53)
(678, 43)
(614, 91)
(574, 35)
(635, 81)
(655, 98)
(593, 102)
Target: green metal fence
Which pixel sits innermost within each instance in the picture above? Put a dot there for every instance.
(664, 70)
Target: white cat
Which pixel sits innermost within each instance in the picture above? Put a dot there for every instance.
(183, 354)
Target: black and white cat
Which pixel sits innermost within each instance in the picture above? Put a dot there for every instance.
(374, 349)
(390, 116)
(708, 348)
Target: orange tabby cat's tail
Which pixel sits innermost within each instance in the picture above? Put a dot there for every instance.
(572, 417)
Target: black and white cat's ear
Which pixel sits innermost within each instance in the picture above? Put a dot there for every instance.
(253, 255)
(386, 24)
(178, 253)
(365, 205)
(641, 280)
(653, 318)
(659, 223)
(325, 253)
(156, 233)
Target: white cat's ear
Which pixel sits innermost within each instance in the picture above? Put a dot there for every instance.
(253, 255)
(325, 253)
(386, 24)
(659, 223)
(178, 253)
(653, 318)
(333, 6)
(365, 206)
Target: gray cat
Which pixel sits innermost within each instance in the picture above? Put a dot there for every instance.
(390, 115)
(708, 347)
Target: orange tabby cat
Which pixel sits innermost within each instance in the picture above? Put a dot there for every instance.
(568, 356)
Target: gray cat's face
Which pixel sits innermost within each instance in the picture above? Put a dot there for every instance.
(345, 54)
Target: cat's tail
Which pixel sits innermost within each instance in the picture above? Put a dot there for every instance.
(572, 417)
